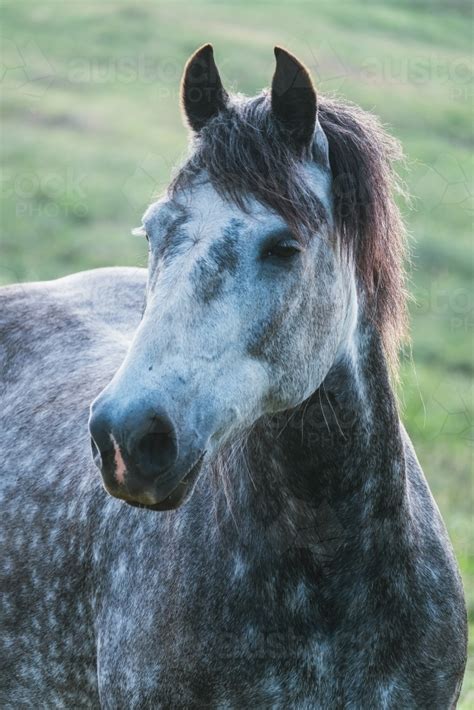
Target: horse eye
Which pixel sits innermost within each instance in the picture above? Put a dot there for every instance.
(283, 250)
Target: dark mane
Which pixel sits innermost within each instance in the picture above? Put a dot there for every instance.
(244, 153)
(365, 183)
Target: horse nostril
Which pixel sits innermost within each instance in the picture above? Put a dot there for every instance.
(157, 450)
(143, 443)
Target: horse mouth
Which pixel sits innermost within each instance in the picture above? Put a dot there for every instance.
(179, 494)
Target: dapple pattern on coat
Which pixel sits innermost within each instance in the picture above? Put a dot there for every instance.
(308, 566)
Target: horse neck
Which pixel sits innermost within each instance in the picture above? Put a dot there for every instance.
(332, 467)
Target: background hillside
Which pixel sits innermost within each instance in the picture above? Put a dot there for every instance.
(91, 129)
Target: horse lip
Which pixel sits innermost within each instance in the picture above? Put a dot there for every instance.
(179, 493)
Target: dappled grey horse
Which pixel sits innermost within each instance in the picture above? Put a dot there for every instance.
(242, 387)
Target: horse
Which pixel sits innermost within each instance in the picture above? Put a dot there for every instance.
(252, 528)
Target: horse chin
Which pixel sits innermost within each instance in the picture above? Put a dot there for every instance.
(178, 495)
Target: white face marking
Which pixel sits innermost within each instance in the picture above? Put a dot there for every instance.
(120, 468)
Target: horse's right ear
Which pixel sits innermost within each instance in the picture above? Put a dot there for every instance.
(202, 93)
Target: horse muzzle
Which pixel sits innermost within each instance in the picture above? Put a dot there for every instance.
(142, 459)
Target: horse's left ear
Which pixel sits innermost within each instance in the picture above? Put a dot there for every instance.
(294, 98)
(202, 93)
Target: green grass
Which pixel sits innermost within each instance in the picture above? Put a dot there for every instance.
(91, 129)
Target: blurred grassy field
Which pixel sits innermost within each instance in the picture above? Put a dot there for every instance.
(91, 129)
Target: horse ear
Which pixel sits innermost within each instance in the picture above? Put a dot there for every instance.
(294, 98)
(202, 93)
